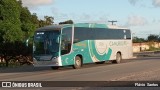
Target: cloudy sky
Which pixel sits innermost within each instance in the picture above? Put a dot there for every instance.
(141, 16)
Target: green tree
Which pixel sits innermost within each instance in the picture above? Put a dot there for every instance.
(67, 22)
(29, 22)
(159, 38)
(153, 38)
(10, 27)
(9, 21)
(35, 20)
(48, 20)
(138, 40)
(41, 23)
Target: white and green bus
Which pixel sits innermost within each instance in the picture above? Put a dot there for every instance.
(82, 43)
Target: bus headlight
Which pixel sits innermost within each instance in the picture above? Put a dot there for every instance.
(55, 60)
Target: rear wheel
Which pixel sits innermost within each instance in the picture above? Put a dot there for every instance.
(78, 63)
(55, 67)
(118, 59)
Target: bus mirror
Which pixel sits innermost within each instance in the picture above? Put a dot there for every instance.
(27, 41)
(58, 39)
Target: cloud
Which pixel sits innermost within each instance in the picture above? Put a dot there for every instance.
(155, 20)
(156, 3)
(133, 2)
(36, 3)
(136, 21)
(104, 18)
(85, 16)
(58, 14)
(55, 11)
(90, 18)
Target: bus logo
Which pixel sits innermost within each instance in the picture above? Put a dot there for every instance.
(6, 84)
(101, 47)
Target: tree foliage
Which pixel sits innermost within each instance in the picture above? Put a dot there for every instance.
(138, 40)
(153, 38)
(10, 23)
(48, 20)
(67, 22)
(29, 22)
(17, 23)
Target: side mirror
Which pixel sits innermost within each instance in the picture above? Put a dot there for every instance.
(58, 39)
(27, 41)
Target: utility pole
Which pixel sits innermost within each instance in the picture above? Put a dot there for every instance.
(112, 22)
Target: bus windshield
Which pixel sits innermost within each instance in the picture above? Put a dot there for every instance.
(45, 43)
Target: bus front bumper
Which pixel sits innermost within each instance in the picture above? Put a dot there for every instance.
(45, 63)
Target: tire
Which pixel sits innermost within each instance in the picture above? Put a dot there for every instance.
(118, 59)
(102, 62)
(55, 67)
(78, 63)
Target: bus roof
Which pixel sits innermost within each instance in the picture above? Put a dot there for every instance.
(85, 25)
(95, 25)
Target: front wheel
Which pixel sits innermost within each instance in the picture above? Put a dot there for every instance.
(78, 63)
(55, 67)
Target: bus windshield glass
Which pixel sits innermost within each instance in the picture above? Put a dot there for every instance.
(45, 43)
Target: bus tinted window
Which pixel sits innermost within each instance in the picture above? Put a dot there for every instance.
(81, 34)
(101, 33)
(128, 34)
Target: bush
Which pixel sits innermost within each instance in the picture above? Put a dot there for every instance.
(151, 48)
(15, 54)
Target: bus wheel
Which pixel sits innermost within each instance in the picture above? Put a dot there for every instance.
(78, 63)
(118, 59)
(102, 62)
(55, 67)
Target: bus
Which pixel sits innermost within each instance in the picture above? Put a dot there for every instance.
(77, 44)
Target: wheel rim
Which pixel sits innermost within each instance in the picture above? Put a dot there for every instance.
(78, 62)
(118, 58)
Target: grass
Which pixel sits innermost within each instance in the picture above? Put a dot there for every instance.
(153, 49)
